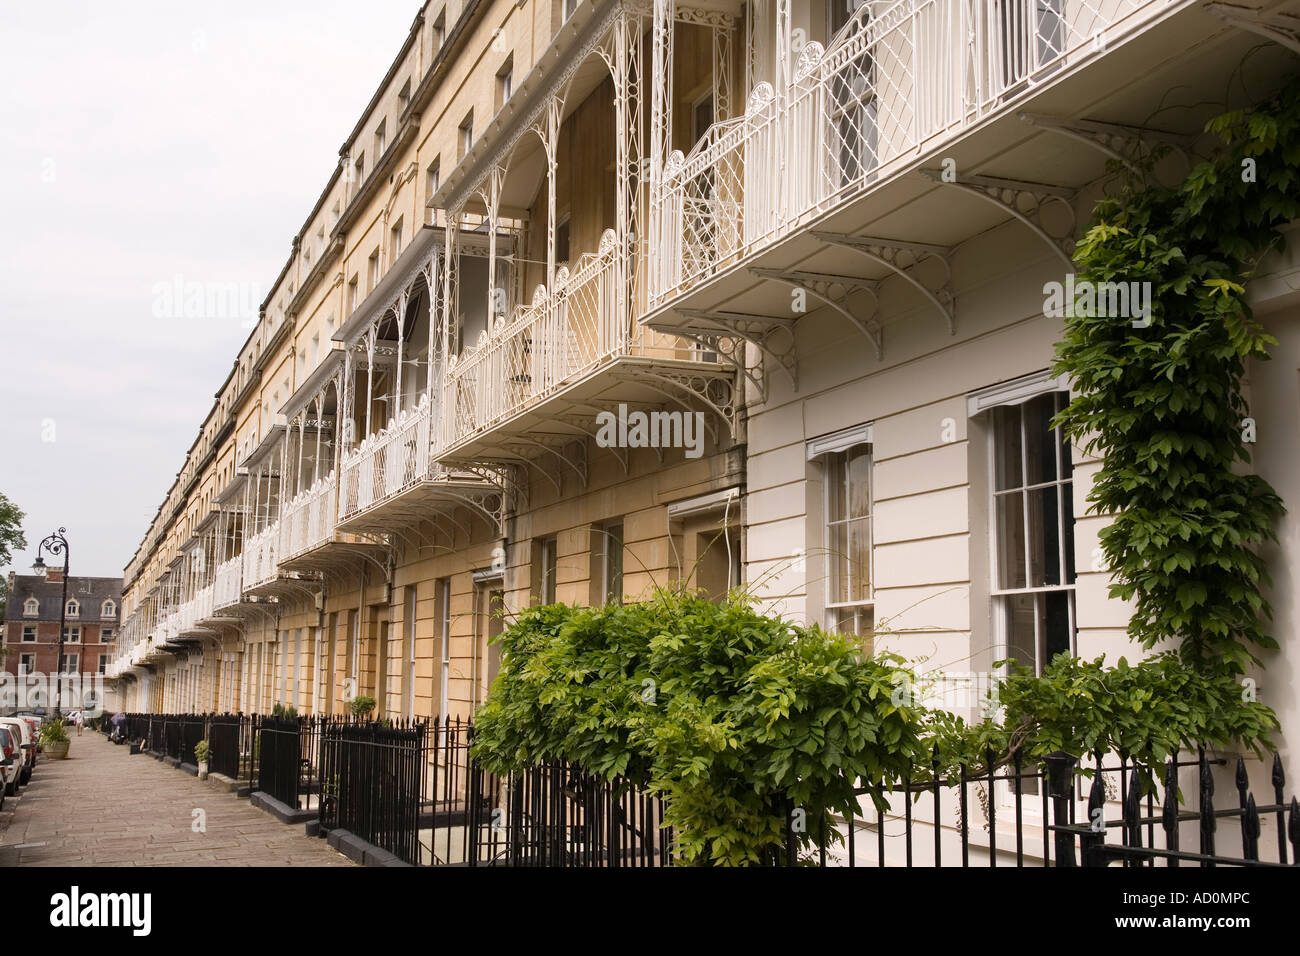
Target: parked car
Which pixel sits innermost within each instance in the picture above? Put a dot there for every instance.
(10, 746)
(27, 744)
(36, 720)
(35, 724)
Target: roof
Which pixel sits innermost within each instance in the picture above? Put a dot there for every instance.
(91, 593)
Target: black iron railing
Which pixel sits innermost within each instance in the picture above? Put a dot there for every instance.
(413, 789)
(561, 816)
(371, 782)
(229, 737)
(193, 728)
(280, 758)
(172, 736)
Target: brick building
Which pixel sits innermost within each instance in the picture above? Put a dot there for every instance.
(31, 626)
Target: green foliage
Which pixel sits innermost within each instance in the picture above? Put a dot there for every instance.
(361, 706)
(202, 750)
(737, 718)
(281, 710)
(11, 539)
(11, 530)
(1145, 711)
(1163, 405)
(54, 732)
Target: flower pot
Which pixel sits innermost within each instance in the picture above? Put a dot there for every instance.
(57, 749)
(203, 770)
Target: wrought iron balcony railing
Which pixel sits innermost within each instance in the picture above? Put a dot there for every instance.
(308, 519)
(262, 556)
(563, 336)
(894, 86)
(389, 461)
(226, 583)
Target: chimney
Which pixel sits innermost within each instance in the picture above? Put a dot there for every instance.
(54, 575)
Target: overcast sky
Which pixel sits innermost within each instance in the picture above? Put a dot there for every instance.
(141, 142)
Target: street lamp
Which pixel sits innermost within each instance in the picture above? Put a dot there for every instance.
(56, 544)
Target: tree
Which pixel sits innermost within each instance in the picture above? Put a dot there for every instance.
(11, 539)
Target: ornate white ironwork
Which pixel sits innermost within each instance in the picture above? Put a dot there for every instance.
(1024, 201)
(1281, 28)
(388, 462)
(895, 84)
(262, 556)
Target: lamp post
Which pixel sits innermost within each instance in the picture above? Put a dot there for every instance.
(57, 544)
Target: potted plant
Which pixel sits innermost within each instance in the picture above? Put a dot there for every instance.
(54, 739)
(361, 707)
(202, 751)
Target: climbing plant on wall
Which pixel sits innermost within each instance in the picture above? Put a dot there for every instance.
(1160, 399)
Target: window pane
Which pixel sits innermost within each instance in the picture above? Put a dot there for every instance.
(1044, 538)
(837, 559)
(859, 570)
(1010, 539)
(1038, 627)
(1022, 623)
(1041, 439)
(836, 492)
(858, 622)
(858, 466)
(1006, 437)
(1056, 624)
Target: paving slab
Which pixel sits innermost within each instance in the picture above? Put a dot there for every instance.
(99, 808)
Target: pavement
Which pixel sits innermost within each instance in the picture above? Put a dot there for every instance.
(104, 807)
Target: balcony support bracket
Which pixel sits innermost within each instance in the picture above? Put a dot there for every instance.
(1023, 201)
(488, 506)
(579, 468)
(764, 332)
(822, 285)
(514, 459)
(901, 258)
(1281, 28)
(1116, 140)
(510, 478)
(681, 387)
(581, 423)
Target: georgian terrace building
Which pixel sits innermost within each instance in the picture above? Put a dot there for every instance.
(563, 235)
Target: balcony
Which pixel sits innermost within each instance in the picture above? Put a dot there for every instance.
(390, 479)
(226, 584)
(894, 88)
(388, 462)
(311, 540)
(309, 518)
(539, 377)
(897, 145)
(262, 558)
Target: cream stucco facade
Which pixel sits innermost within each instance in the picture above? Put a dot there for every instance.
(824, 229)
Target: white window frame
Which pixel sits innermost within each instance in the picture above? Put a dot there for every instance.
(819, 450)
(549, 546)
(73, 608)
(1020, 391)
(35, 634)
(444, 639)
(607, 554)
(31, 607)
